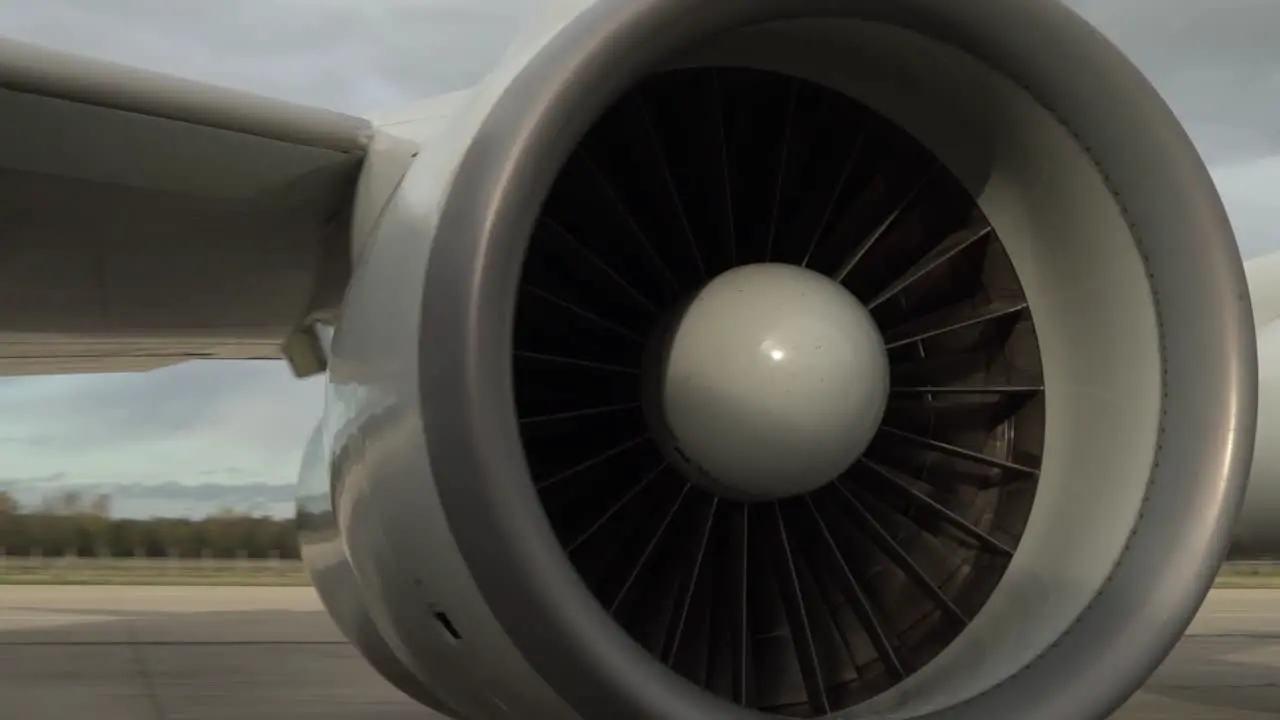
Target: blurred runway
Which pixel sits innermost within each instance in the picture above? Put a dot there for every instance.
(163, 653)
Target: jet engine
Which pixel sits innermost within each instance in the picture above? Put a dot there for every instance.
(800, 358)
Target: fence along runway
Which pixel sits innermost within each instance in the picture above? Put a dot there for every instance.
(270, 653)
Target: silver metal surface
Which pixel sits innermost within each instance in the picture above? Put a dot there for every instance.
(43, 72)
(1257, 532)
(147, 220)
(775, 380)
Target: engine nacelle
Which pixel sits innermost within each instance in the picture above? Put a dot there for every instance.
(1256, 533)
(531, 473)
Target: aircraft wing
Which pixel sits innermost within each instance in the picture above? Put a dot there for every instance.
(147, 220)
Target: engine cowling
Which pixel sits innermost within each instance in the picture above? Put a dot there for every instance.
(539, 391)
(1256, 533)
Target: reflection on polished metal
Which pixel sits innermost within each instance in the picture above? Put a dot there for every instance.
(775, 381)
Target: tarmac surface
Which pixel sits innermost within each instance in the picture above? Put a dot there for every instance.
(165, 653)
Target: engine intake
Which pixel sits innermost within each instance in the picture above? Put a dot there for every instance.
(750, 195)
(619, 490)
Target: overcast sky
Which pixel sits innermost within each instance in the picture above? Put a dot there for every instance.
(1215, 61)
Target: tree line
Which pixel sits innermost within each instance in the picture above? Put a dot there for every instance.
(72, 525)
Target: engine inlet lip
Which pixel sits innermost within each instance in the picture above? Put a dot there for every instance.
(468, 309)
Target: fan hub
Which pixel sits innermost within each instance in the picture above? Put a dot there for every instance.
(774, 381)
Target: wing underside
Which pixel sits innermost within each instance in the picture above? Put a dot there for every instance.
(147, 220)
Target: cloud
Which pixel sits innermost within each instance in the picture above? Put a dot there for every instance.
(232, 422)
(179, 400)
(1216, 63)
(356, 56)
(1249, 190)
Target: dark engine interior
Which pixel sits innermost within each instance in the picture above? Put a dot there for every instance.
(811, 604)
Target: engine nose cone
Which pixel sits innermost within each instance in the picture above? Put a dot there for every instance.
(775, 380)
